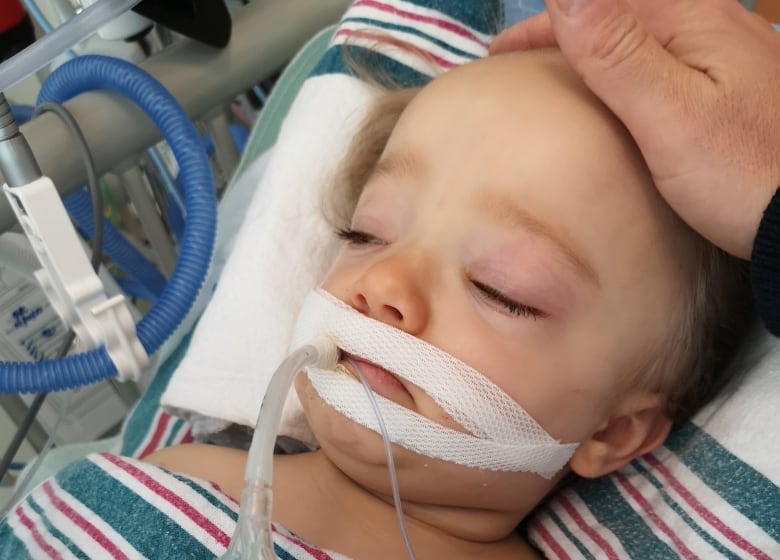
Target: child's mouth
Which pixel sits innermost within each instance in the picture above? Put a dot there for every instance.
(379, 379)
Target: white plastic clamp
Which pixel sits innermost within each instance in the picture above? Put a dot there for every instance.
(70, 283)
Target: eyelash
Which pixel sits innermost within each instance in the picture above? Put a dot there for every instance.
(514, 308)
(357, 237)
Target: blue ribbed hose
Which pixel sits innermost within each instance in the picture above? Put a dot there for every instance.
(99, 72)
(115, 245)
(22, 113)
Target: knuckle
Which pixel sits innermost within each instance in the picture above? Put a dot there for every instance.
(619, 40)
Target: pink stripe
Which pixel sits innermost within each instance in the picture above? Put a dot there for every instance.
(441, 23)
(36, 535)
(683, 550)
(550, 541)
(216, 488)
(315, 552)
(83, 524)
(188, 438)
(159, 430)
(706, 514)
(168, 495)
(383, 39)
(595, 537)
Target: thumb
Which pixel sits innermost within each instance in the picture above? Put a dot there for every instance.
(531, 33)
(621, 62)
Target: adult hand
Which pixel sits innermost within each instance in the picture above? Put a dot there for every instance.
(697, 83)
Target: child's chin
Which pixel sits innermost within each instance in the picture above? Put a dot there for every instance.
(329, 425)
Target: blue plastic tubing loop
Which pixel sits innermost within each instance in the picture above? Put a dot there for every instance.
(197, 246)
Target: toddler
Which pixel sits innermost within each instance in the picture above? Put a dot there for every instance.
(503, 216)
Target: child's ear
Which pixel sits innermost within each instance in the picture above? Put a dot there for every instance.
(637, 425)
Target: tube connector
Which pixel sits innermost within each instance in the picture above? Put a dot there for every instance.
(8, 127)
(17, 161)
(327, 353)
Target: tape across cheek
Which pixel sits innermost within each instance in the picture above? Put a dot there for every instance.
(501, 436)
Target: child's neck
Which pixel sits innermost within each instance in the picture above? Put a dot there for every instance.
(322, 505)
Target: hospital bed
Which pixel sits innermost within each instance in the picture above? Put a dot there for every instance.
(710, 492)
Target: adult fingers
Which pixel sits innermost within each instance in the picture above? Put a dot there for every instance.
(531, 33)
(622, 62)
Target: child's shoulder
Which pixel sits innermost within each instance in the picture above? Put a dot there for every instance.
(224, 466)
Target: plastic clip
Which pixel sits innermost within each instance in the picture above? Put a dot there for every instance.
(70, 283)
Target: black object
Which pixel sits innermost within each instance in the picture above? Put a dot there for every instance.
(16, 38)
(765, 266)
(207, 21)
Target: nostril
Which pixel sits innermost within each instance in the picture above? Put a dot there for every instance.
(361, 303)
(393, 313)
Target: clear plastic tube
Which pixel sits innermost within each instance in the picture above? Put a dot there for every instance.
(32, 8)
(399, 512)
(252, 538)
(47, 48)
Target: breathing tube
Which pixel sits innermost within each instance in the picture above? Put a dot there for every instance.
(253, 537)
(70, 33)
(99, 72)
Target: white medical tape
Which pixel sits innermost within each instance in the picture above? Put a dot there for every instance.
(503, 436)
(417, 433)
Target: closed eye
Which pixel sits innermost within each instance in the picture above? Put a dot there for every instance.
(357, 237)
(509, 305)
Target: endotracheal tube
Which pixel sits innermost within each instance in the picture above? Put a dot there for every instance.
(253, 538)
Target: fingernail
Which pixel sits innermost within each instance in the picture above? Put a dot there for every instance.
(571, 7)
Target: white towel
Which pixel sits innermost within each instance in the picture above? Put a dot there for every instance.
(746, 419)
(281, 252)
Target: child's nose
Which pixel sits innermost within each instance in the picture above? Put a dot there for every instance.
(391, 291)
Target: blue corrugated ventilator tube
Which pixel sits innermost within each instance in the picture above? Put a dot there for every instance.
(197, 244)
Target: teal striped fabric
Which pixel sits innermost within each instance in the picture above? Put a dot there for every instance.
(148, 427)
(108, 506)
(690, 499)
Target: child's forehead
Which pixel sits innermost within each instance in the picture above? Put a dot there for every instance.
(543, 76)
(515, 96)
(516, 109)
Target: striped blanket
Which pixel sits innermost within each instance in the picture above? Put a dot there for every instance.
(107, 506)
(689, 499)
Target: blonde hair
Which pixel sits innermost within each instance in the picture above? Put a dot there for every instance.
(694, 364)
(364, 152)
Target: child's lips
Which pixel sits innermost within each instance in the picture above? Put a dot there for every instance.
(379, 379)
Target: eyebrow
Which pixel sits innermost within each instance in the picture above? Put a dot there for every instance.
(399, 164)
(506, 210)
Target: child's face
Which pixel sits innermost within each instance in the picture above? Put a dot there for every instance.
(511, 223)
